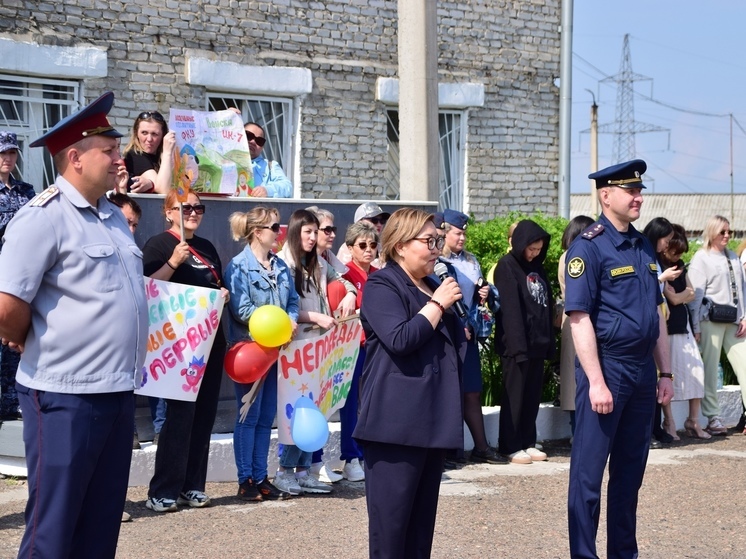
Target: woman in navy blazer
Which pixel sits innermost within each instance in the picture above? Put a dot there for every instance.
(410, 401)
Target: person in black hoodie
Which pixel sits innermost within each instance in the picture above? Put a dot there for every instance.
(524, 338)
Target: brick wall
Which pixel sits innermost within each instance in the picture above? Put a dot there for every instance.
(512, 47)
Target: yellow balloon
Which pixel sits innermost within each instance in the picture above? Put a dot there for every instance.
(270, 326)
(179, 318)
(203, 302)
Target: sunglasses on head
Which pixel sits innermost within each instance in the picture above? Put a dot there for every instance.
(329, 229)
(187, 209)
(364, 246)
(258, 140)
(275, 227)
(377, 220)
(155, 115)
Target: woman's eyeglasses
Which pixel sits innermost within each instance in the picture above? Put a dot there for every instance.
(432, 242)
(155, 115)
(364, 246)
(258, 140)
(377, 220)
(725, 232)
(275, 227)
(329, 229)
(187, 209)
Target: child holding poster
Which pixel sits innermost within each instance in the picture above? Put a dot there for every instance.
(257, 277)
(310, 277)
(184, 442)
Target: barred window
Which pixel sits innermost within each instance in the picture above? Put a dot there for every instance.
(29, 107)
(273, 114)
(451, 172)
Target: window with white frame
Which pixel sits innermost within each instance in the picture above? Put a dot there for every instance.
(451, 167)
(29, 107)
(273, 114)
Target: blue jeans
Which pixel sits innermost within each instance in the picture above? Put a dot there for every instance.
(251, 437)
(157, 412)
(293, 457)
(348, 414)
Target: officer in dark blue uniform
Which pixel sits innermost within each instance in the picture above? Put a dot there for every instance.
(619, 334)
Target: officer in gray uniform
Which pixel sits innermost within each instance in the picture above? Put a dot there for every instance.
(72, 299)
(612, 298)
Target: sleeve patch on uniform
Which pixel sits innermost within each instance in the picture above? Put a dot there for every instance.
(624, 270)
(44, 197)
(653, 267)
(575, 267)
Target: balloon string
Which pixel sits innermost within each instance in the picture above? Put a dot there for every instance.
(249, 398)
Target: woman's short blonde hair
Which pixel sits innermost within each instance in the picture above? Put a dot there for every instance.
(402, 226)
(712, 229)
(244, 224)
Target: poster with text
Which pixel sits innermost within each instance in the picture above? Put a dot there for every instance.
(211, 153)
(183, 321)
(320, 368)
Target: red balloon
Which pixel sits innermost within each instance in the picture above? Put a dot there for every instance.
(335, 291)
(247, 362)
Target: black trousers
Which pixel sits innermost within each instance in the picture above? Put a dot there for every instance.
(522, 384)
(401, 491)
(78, 450)
(184, 442)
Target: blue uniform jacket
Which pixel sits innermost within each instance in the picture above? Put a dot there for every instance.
(411, 382)
(613, 277)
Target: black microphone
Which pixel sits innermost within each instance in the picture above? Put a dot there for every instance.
(441, 270)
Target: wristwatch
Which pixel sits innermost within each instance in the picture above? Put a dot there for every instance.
(665, 375)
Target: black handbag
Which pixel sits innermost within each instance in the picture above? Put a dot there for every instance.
(726, 313)
(723, 313)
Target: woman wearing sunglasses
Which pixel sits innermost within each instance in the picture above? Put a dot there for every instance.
(362, 240)
(149, 154)
(311, 275)
(718, 281)
(256, 277)
(184, 442)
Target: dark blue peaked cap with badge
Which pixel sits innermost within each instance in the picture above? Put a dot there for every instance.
(89, 121)
(624, 175)
(457, 219)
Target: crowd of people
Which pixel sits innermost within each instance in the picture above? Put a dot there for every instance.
(632, 307)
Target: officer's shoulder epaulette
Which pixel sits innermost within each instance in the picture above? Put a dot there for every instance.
(593, 231)
(43, 198)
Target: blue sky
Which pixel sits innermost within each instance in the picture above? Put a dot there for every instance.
(695, 53)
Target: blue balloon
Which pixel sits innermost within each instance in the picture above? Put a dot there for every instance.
(308, 426)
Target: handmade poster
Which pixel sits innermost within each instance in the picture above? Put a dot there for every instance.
(183, 321)
(320, 368)
(211, 153)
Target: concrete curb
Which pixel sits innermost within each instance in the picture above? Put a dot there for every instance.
(551, 423)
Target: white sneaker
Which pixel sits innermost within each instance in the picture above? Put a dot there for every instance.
(519, 457)
(310, 484)
(536, 454)
(286, 482)
(161, 504)
(323, 472)
(353, 471)
(193, 498)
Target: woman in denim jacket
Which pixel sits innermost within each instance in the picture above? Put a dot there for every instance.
(256, 277)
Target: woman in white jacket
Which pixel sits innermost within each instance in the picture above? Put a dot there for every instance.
(717, 277)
